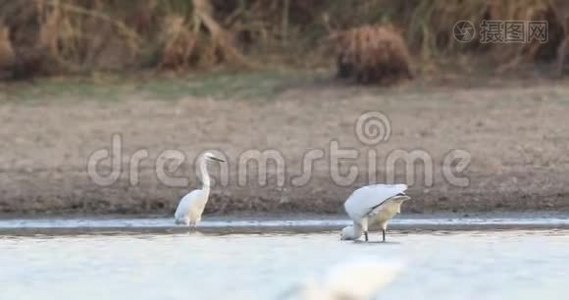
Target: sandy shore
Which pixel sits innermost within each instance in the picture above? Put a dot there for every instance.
(517, 136)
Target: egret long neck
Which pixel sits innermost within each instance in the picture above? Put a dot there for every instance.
(358, 230)
(204, 174)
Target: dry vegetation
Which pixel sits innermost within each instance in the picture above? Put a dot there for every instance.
(373, 55)
(74, 36)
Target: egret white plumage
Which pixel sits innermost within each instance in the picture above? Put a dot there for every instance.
(362, 278)
(373, 204)
(191, 206)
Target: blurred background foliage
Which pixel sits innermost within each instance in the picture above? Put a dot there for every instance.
(79, 36)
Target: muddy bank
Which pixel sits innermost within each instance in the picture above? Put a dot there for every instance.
(517, 137)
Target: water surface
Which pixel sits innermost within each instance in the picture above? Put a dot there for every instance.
(510, 264)
(295, 224)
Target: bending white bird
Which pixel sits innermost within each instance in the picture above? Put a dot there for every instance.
(373, 204)
(191, 206)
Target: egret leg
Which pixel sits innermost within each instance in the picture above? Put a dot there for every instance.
(364, 228)
(383, 234)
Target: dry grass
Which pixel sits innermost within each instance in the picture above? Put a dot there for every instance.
(80, 35)
(373, 54)
(179, 44)
(77, 36)
(6, 51)
(429, 30)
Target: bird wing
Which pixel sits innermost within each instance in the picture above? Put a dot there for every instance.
(365, 199)
(186, 203)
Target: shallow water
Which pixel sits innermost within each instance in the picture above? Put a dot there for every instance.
(233, 224)
(442, 265)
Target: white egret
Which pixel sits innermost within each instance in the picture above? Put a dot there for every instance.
(361, 278)
(373, 204)
(191, 206)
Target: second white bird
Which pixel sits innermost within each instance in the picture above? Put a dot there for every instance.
(373, 204)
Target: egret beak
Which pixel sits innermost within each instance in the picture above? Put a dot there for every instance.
(217, 159)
